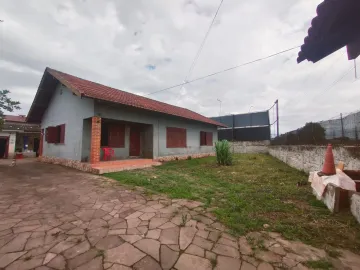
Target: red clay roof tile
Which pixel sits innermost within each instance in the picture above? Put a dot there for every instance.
(97, 91)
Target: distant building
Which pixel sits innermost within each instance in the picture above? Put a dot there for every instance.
(253, 126)
(18, 136)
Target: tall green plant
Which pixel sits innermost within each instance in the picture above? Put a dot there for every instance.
(223, 153)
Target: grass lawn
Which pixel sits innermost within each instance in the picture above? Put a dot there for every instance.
(258, 189)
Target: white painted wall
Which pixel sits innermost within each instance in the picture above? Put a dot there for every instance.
(12, 141)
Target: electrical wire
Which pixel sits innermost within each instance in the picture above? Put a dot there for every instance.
(224, 70)
(333, 83)
(320, 93)
(202, 43)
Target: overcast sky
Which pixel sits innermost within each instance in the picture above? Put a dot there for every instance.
(142, 46)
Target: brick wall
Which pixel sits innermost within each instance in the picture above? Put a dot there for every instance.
(311, 158)
(95, 139)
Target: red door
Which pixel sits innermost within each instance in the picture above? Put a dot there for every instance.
(134, 142)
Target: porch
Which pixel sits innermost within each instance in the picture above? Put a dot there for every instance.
(123, 165)
(127, 142)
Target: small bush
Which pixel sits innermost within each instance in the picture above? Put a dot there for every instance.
(223, 153)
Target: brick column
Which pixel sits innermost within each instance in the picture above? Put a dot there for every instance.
(95, 139)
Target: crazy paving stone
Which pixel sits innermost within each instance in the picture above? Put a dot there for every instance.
(97, 223)
(186, 236)
(94, 264)
(16, 244)
(247, 266)
(62, 246)
(82, 258)
(124, 254)
(265, 266)
(226, 251)
(201, 242)
(117, 232)
(147, 216)
(147, 263)
(150, 247)
(214, 236)
(245, 248)
(134, 215)
(95, 235)
(7, 258)
(170, 236)
(119, 267)
(131, 238)
(227, 242)
(109, 242)
(49, 257)
(34, 243)
(187, 262)
(154, 234)
(226, 263)
(268, 256)
(157, 222)
(203, 234)
(195, 250)
(25, 264)
(168, 257)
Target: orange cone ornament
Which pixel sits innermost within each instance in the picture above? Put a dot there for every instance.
(329, 164)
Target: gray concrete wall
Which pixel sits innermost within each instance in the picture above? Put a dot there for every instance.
(66, 108)
(86, 140)
(159, 123)
(250, 147)
(355, 205)
(311, 158)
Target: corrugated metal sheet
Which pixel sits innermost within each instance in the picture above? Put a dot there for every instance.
(245, 120)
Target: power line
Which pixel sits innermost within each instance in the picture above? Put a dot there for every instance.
(225, 70)
(326, 89)
(334, 83)
(201, 47)
(202, 43)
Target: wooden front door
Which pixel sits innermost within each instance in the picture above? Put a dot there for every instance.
(134, 142)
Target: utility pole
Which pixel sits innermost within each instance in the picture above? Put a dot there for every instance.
(220, 106)
(342, 126)
(355, 69)
(277, 117)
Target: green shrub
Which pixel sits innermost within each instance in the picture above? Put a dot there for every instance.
(223, 153)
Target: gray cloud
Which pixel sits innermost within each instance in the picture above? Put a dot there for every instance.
(111, 42)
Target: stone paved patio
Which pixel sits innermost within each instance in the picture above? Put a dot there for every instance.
(53, 217)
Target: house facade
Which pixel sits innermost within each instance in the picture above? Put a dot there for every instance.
(79, 119)
(17, 136)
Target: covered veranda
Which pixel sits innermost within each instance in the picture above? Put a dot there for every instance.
(111, 145)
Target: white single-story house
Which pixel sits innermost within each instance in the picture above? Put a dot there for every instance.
(79, 118)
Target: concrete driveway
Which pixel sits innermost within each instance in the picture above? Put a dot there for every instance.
(53, 217)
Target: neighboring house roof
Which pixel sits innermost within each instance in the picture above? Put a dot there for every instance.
(85, 88)
(335, 26)
(18, 123)
(15, 118)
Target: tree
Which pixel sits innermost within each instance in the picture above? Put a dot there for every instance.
(6, 104)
